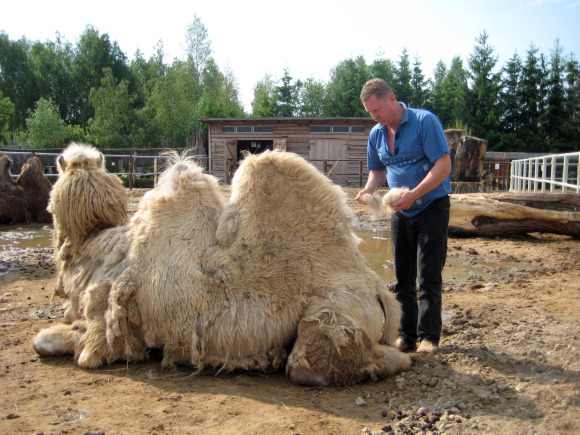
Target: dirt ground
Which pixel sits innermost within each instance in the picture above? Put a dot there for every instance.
(508, 362)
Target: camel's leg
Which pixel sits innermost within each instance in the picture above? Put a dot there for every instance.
(57, 340)
(333, 350)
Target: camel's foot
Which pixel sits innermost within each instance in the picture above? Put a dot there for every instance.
(57, 340)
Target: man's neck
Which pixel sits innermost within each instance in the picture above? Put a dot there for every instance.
(400, 113)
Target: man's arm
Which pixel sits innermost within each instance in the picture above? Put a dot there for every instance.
(433, 179)
(376, 179)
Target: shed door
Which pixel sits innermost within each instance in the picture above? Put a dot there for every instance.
(232, 150)
(335, 152)
(231, 159)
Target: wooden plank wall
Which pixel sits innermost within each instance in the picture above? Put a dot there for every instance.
(299, 140)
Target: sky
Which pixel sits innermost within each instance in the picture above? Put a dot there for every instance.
(253, 38)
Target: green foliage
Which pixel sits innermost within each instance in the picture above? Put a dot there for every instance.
(403, 87)
(460, 125)
(198, 46)
(384, 69)
(113, 123)
(418, 83)
(312, 99)
(571, 127)
(52, 69)
(220, 94)
(343, 89)
(435, 96)
(55, 91)
(482, 98)
(454, 92)
(17, 78)
(45, 127)
(75, 133)
(554, 116)
(263, 102)
(93, 53)
(286, 96)
(530, 95)
(6, 112)
(172, 104)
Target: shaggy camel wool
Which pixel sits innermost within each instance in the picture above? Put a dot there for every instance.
(229, 285)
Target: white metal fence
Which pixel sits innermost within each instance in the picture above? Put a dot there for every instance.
(556, 172)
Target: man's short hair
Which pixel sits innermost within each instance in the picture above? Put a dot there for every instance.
(376, 87)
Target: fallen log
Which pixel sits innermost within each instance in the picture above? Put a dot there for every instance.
(560, 201)
(474, 215)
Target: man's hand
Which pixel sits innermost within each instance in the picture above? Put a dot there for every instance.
(376, 179)
(406, 201)
(436, 175)
(360, 196)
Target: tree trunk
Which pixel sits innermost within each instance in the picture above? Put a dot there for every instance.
(467, 154)
(491, 215)
(469, 159)
(559, 201)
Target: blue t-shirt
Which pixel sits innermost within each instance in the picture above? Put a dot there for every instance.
(419, 142)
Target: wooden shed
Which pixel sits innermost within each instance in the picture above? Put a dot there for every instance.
(336, 146)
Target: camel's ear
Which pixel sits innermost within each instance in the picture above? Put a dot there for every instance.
(61, 164)
(101, 160)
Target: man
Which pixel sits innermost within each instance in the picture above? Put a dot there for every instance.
(409, 149)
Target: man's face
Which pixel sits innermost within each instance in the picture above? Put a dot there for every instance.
(381, 109)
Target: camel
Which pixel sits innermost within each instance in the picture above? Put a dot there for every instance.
(35, 189)
(271, 278)
(24, 200)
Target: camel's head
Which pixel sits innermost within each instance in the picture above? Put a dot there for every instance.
(33, 164)
(86, 198)
(32, 175)
(5, 166)
(80, 156)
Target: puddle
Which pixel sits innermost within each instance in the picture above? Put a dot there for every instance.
(34, 236)
(22, 244)
(375, 246)
(377, 250)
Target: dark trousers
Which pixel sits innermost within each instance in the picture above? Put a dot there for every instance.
(420, 249)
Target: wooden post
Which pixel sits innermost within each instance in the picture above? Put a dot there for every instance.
(130, 171)
(360, 173)
(325, 167)
(155, 171)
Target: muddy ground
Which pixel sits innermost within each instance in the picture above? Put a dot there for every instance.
(508, 362)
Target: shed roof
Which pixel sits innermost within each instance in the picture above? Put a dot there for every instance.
(288, 119)
(512, 155)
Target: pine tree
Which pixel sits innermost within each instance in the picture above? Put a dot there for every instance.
(418, 83)
(403, 89)
(455, 89)
(483, 94)
(436, 97)
(510, 104)
(554, 117)
(571, 127)
(530, 98)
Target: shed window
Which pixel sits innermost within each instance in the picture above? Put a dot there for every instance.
(357, 129)
(228, 129)
(244, 129)
(263, 129)
(340, 128)
(320, 129)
